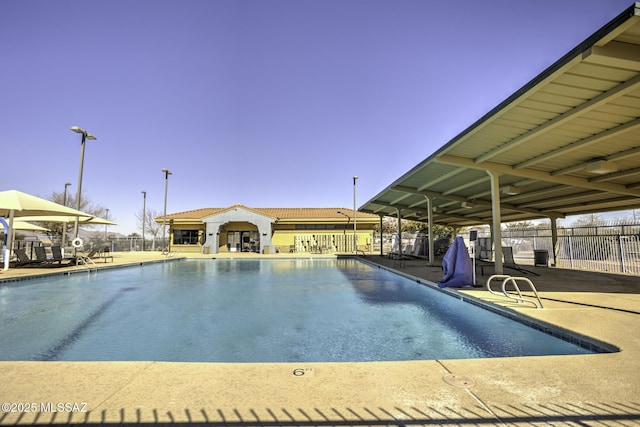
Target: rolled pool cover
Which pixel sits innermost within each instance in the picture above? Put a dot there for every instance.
(457, 266)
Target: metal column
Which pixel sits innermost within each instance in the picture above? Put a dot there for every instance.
(497, 221)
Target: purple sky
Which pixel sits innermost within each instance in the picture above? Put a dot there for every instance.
(267, 103)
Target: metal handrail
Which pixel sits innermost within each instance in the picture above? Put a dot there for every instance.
(520, 298)
(85, 263)
(495, 276)
(506, 279)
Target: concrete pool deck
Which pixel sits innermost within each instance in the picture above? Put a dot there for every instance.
(597, 389)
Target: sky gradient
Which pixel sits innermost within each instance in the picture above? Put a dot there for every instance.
(266, 103)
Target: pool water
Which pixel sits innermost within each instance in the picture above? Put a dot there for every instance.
(253, 311)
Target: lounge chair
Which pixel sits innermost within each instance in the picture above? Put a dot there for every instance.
(56, 251)
(106, 253)
(23, 259)
(509, 261)
(84, 259)
(441, 246)
(41, 255)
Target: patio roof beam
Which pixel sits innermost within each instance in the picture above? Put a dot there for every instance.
(404, 208)
(586, 195)
(614, 175)
(478, 202)
(467, 185)
(539, 175)
(598, 203)
(620, 90)
(614, 54)
(609, 133)
(399, 199)
(612, 158)
(442, 178)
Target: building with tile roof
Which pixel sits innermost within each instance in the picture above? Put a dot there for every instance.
(239, 228)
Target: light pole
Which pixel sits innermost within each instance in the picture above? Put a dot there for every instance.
(144, 214)
(344, 232)
(85, 135)
(164, 219)
(106, 225)
(355, 235)
(64, 224)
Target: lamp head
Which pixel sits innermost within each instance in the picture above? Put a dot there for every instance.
(86, 134)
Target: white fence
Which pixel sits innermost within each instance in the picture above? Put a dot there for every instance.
(614, 249)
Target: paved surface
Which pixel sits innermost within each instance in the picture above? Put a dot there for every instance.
(598, 389)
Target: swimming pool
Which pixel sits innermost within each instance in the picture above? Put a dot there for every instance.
(295, 310)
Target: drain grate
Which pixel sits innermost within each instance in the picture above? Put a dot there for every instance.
(458, 380)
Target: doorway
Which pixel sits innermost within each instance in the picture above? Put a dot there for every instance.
(243, 241)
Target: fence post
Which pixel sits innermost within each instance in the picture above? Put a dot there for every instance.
(622, 260)
(570, 251)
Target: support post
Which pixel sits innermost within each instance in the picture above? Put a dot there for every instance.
(554, 241)
(497, 221)
(381, 236)
(430, 219)
(399, 233)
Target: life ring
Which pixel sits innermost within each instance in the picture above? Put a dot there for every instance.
(77, 242)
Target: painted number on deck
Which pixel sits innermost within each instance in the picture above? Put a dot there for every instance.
(302, 372)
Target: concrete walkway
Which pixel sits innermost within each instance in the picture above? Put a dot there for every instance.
(598, 389)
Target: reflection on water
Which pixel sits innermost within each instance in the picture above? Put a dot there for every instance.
(252, 311)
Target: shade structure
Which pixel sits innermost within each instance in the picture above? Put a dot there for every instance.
(24, 225)
(15, 203)
(19, 204)
(94, 220)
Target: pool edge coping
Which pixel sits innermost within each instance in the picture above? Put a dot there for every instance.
(592, 344)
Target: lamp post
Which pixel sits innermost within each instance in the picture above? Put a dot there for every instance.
(355, 235)
(144, 214)
(85, 135)
(344, 232)
(64, 224)
(106, 225)
(164, 219)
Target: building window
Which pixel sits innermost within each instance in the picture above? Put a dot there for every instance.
(185, 237)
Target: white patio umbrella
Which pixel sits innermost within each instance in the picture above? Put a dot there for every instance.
(15, 203)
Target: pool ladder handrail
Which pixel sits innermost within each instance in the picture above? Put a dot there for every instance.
(86, 262)
(506, 279)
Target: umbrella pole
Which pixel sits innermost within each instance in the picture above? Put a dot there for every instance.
(5, 226)
(7, 248)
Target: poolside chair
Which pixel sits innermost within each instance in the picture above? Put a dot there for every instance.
(41, 255)
(441, 246)
(23, 259)
(106, 253)
(88, 257)
(56, 251)
(509, 261)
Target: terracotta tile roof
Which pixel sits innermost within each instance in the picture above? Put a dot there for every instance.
(280, 213)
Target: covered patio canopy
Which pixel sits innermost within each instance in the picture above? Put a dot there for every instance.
(567, 143)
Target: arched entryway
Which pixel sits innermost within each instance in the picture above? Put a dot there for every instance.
(239, 229)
